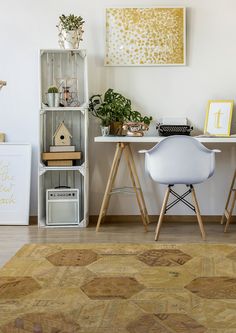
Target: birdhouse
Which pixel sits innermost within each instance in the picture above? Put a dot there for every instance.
(62, 136)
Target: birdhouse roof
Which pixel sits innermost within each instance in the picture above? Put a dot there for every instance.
(62, 126)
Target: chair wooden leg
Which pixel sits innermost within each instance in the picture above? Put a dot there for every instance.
(162, 214)
(228, 200)
(199, 218)
(230, 212)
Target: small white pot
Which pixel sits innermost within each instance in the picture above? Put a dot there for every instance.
(105, 130)
(53, 100)
(71, 39)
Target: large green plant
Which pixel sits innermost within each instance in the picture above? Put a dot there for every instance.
(114, 107)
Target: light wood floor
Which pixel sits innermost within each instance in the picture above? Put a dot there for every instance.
(13, 238)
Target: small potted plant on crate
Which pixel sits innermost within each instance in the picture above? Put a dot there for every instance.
(53, 97)
(70, 31)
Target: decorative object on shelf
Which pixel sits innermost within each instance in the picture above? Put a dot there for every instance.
(62, 153)
(135, 128)
(54, 149)
(53, 97)
(67, 212)
(2, 84)
(62, 136)
(70, 31)
(2, 137)
(114, 109)
(68, 88)
(219, 117)
(145, 36)
(61, 158)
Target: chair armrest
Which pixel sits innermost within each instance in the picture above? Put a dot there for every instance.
(143, 151)
(216, 150)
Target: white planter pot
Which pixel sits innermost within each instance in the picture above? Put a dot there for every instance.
(71, 39)
(53, 100)
(105, 130)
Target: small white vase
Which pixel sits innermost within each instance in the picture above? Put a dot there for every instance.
(105, 130)
(71, 39)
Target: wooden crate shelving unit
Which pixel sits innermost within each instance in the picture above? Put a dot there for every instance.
(56, 64)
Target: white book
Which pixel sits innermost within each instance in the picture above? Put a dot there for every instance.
(54, 149)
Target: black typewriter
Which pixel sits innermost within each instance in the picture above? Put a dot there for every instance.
(168, 130)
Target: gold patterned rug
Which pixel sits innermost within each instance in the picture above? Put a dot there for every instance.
(119, 288)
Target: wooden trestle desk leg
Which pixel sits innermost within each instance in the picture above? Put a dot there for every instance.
(140, 192)
(136, 188)
(120, 147)
(227, 212)
(110, 182)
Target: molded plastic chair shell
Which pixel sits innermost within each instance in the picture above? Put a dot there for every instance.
(180, 160)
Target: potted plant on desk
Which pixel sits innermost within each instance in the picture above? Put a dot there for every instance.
(115, 110)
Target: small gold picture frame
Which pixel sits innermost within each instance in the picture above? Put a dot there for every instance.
(219, 117)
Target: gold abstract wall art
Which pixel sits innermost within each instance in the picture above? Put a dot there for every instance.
(145, 36)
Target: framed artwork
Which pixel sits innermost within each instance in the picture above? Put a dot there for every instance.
(218, 118)
(15, 171)
(153, 36)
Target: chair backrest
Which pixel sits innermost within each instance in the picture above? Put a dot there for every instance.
(180, 160)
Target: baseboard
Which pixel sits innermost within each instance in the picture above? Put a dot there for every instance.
(153, 218)
(33, 220)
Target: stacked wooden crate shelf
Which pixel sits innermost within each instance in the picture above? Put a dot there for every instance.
(56, 65)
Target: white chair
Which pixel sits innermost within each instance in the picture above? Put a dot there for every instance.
(180, 160)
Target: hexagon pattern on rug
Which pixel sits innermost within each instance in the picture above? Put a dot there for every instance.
(112, 287)
(213, 287)
(165, 323)
(72, 257)
(179, 322)
(146, 324)
(232, 256)
(164, 257)
(14, 287)
(130, 289)
(41, 323)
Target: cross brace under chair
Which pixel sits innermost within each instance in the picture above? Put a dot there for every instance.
(180, 198)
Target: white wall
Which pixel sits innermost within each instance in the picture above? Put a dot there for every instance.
(26, 26)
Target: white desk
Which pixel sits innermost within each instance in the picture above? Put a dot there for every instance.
(123, 145)
(155, 139)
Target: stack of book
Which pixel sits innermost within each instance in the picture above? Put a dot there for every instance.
(61, 156)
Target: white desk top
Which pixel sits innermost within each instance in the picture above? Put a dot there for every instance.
(156, 139)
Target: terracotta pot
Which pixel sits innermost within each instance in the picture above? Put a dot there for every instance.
(116, 128)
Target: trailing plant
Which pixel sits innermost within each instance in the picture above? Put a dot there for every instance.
(70, 22)
(53, 89)
(114, 107)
